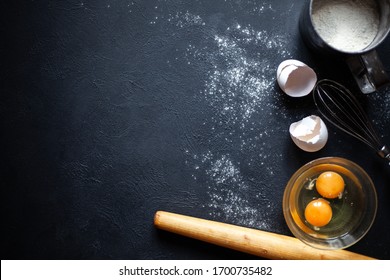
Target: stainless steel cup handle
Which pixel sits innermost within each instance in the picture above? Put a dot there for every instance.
(368, 71)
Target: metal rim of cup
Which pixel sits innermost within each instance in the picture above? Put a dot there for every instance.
(370, 47)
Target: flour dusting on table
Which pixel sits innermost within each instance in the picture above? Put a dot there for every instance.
(243, 83)
(230, 195)
(185, 19)
(240, 89)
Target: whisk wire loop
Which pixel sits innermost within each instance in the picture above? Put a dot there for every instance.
(341, 108)
(342, 118)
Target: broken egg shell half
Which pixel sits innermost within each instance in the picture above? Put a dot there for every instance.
(295, 78)
(310, 134)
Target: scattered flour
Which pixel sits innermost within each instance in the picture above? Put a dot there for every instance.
(229, 193)
(380, 114)
(243, 83)
(240, 88)
(185, 19)
(346, 25)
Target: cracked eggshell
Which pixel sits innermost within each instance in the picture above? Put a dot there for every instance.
(295, 78)
(310, 134)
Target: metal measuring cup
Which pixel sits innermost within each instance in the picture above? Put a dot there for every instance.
(364, 64)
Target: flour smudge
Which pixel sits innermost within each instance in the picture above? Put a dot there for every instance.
(240, 88)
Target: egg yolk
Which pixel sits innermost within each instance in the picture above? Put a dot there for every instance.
(318, 212)
(330, 184)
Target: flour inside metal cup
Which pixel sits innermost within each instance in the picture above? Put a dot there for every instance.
(346, 25)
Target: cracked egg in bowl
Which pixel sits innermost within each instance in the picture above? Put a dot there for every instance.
(330, 203)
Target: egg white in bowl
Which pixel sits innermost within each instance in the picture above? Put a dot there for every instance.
(336, 221)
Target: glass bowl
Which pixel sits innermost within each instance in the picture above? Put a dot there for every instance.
(353, 212)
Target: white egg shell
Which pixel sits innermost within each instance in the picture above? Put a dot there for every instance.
(310, 134)
(295, 78)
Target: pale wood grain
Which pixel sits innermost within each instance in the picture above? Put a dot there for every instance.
(256, 242)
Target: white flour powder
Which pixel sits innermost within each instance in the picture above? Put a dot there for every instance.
(229, 196)
(240, 88)
(346, 25)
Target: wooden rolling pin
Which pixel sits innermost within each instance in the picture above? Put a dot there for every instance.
(256, 242)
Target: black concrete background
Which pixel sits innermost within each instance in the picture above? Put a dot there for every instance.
(95, 126)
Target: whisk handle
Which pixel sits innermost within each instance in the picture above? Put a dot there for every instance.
(384, 152)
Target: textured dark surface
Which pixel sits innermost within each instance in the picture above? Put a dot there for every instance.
(111, 110)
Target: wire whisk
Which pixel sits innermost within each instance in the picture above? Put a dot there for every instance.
(341, 108)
